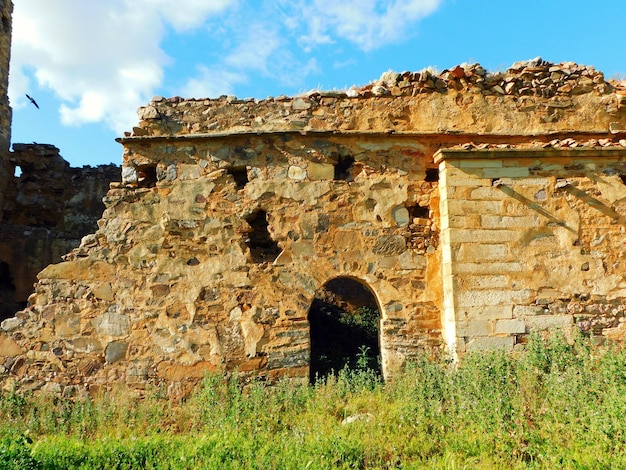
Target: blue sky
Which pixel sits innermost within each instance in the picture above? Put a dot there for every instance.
(90, 64)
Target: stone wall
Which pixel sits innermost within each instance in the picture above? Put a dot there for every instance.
(533, 239)
(48, 208)
(195, 269)
(442, 194)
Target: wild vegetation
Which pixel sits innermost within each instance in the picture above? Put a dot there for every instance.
(559, 404)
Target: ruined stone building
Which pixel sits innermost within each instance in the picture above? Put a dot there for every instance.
(474, 208)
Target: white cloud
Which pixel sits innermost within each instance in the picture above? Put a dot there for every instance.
(255, 48)
(210, 83)
(367, 23)
(185, 14)
(102, 58)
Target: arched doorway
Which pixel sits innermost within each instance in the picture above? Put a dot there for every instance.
(344, 323)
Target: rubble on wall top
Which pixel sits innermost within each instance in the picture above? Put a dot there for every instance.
(547, 97)
(554, 143)
(532, 77)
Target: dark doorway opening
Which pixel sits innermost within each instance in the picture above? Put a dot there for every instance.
(344, 328)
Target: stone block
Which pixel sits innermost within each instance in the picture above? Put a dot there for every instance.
(390, 245)
(300, 104)
(506, 172)
(321, 171)
(520, 311)
(112, 324)
(129, 175)
(490, 343)
(79, 269)
(459, 235)
(412, 261)
(67, 324)
(8, 347)
(461, 221)
(504, 222)
(512, 327)
(176, 372)
(346, 239)
(296, 173)
(115, 351)
(11, 324)
(480, 163)
(461, 207)
(457, 181)
(487, 268)
(486, 312)
(486, 194)
(484, 282)
(490, 297)
(400, 215)
(473, 328)
(546, 322)
(478, 252)
(104, 292)
(303, 249)
(86, 345)
(387, 262)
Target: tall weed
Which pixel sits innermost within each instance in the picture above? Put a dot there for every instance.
(559, 404)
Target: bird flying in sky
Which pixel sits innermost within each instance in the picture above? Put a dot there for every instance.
(32, 100)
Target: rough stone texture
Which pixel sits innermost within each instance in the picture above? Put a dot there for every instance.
(476, 207)
(47, 210)
(176, 276)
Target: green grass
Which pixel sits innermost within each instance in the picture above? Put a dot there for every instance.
(559, 404)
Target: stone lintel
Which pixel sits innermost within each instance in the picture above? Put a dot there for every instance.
(449, 153)
(462, 154)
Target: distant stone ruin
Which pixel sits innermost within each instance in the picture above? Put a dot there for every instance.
(464, 209)
(48, 208)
